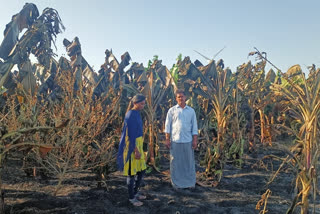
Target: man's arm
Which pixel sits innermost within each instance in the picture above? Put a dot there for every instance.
(168, 142)
(194, 141)
(194, 131)
(167, 129)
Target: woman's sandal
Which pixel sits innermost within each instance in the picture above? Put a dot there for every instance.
(140, 196)
(135, 202)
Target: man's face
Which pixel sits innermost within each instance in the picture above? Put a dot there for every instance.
(181, 99)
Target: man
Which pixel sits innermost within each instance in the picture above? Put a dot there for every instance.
(181, 137)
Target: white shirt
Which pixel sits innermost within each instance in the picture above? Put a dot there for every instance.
(181, 124)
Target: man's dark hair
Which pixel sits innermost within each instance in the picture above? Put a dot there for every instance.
(180, 91)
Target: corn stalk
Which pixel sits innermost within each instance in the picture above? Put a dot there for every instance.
(250, 82)
(219, 89)
(305, 110)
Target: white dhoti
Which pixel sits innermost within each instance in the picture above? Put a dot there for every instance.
(182, 165)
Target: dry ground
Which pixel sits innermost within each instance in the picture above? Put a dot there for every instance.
(238, 192)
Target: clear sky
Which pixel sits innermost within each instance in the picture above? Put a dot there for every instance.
(288, 30)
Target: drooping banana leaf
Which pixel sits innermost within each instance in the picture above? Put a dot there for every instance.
(20, 21)
(28, 79)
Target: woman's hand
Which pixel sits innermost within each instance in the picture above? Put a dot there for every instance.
(137, 154)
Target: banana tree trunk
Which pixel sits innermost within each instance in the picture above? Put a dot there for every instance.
(1, 192)
(220, 137)
(262, 126)
(308, 145)
(239, 134)
(306, 182)
(151, 144)
(251, 133)
(305, 198)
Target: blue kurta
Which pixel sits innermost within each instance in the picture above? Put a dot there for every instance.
(132, 128)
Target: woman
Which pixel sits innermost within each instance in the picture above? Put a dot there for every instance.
(131, 158)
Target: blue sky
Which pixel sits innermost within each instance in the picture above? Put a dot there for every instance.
(287, 30)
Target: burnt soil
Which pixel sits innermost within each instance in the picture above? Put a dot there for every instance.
(238, 191)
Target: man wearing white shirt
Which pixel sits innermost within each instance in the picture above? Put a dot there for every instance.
(181, 131)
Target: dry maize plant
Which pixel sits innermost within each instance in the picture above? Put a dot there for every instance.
(56, 124)
(298, 99)
(219, 88)
(250, 82)
(82, 137)
(237, 126)
(302, 94)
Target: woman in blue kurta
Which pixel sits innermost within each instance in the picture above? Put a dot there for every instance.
(131, 158)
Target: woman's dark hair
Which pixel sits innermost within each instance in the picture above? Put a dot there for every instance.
(136, 99)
